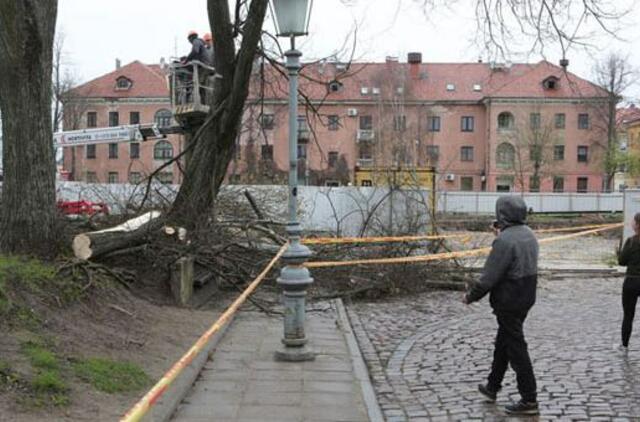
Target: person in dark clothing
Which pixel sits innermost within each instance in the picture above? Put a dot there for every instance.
(629, 256)
(198, 49)
(510, 276)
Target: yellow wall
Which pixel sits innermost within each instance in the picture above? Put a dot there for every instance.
(422, 177)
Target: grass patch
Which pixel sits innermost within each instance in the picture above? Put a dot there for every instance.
(25, 270)
(49, 382)
(40, 357)
(111, 376)
(47, 385)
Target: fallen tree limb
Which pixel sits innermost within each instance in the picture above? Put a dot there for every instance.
(131, 233)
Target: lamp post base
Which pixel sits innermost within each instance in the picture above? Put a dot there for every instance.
(294, 354)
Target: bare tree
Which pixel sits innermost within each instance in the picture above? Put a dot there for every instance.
(212, 153)
(539, 23)
(28, 213)
(533, 142)
(615, 75)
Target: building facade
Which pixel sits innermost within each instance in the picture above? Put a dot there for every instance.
(481, 126)
(132, 94)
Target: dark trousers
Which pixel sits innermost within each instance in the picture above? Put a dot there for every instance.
(630, 293)
(511, 348)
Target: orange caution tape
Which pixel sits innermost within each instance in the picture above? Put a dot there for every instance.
(447, 255)
(390, 239)
(141, 408)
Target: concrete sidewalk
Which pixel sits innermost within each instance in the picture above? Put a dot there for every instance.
(243, 382)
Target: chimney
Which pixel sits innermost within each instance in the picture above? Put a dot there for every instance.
(414, 58)
(117, 64)
(564, 63)
(163, 64)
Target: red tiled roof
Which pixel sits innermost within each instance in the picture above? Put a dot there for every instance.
(428, 81)
(628, 115)
(147, 81)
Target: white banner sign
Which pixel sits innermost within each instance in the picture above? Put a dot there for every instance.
(95, 136)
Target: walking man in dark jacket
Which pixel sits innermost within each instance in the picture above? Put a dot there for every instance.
(510, 276)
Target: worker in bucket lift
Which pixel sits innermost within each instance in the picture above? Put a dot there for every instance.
(208, 42)
(198, 49)
(199, 53)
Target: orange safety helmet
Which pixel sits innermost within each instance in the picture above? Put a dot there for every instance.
(207, 37)
(192, 33)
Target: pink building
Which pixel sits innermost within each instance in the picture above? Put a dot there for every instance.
(132, 94)
(483, 126)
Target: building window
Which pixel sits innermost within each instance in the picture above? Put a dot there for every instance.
(366, 123)
(334, 86)
(535, 153)
(433, 123)
(135, 177)
(267, 121)
(583, 121)
(302, 151)
(163, 118)
(122, 83)
(560, 120)
(162, 150)
(92, 177)
(134, 150)
(92, 119)
(334, 122)
(400, 123)
(114, 118)
(466, 183)
(165, 177)
(267, 152)
(583, 154)
(558, 184)
(113, 177)
(366, 182)
(534, 184)
(534, 121)
(583, 184)
(91, 151)
(113, 151)
(550, 83)
(134, 118)
(433, 153)
(558, 152)
(466, 154)
(506, 121)
(466, 123)
(505, 156)
(303, 127)
(451, 87)
(332, 159)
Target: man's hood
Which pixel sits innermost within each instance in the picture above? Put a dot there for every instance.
(511, 211)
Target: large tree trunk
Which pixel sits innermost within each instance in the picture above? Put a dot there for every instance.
(27, 214)
(212, 154)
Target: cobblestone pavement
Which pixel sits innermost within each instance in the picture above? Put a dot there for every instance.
(426, 354)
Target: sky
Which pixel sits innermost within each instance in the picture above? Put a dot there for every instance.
(96, 32)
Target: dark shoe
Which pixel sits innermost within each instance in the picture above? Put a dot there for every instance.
(489, 394)
(522, 408)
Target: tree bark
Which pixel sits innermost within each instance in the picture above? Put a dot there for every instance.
(131, 233)
(212, 154)
(27, 213)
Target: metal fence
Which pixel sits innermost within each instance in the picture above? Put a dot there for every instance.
(484, 202)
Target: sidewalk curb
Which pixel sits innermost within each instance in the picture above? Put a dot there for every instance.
(172, 398)
(360, 371)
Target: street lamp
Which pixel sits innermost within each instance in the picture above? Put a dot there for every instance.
(292, 19)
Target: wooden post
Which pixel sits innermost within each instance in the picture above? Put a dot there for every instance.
(182, 280)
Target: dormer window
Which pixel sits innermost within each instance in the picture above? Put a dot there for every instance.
(451, 87)
(334, 86)
(550, 83)
(123, 83)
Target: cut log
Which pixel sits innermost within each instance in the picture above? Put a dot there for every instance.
(131, 233)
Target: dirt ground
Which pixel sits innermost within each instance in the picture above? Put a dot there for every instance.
(122, 328)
